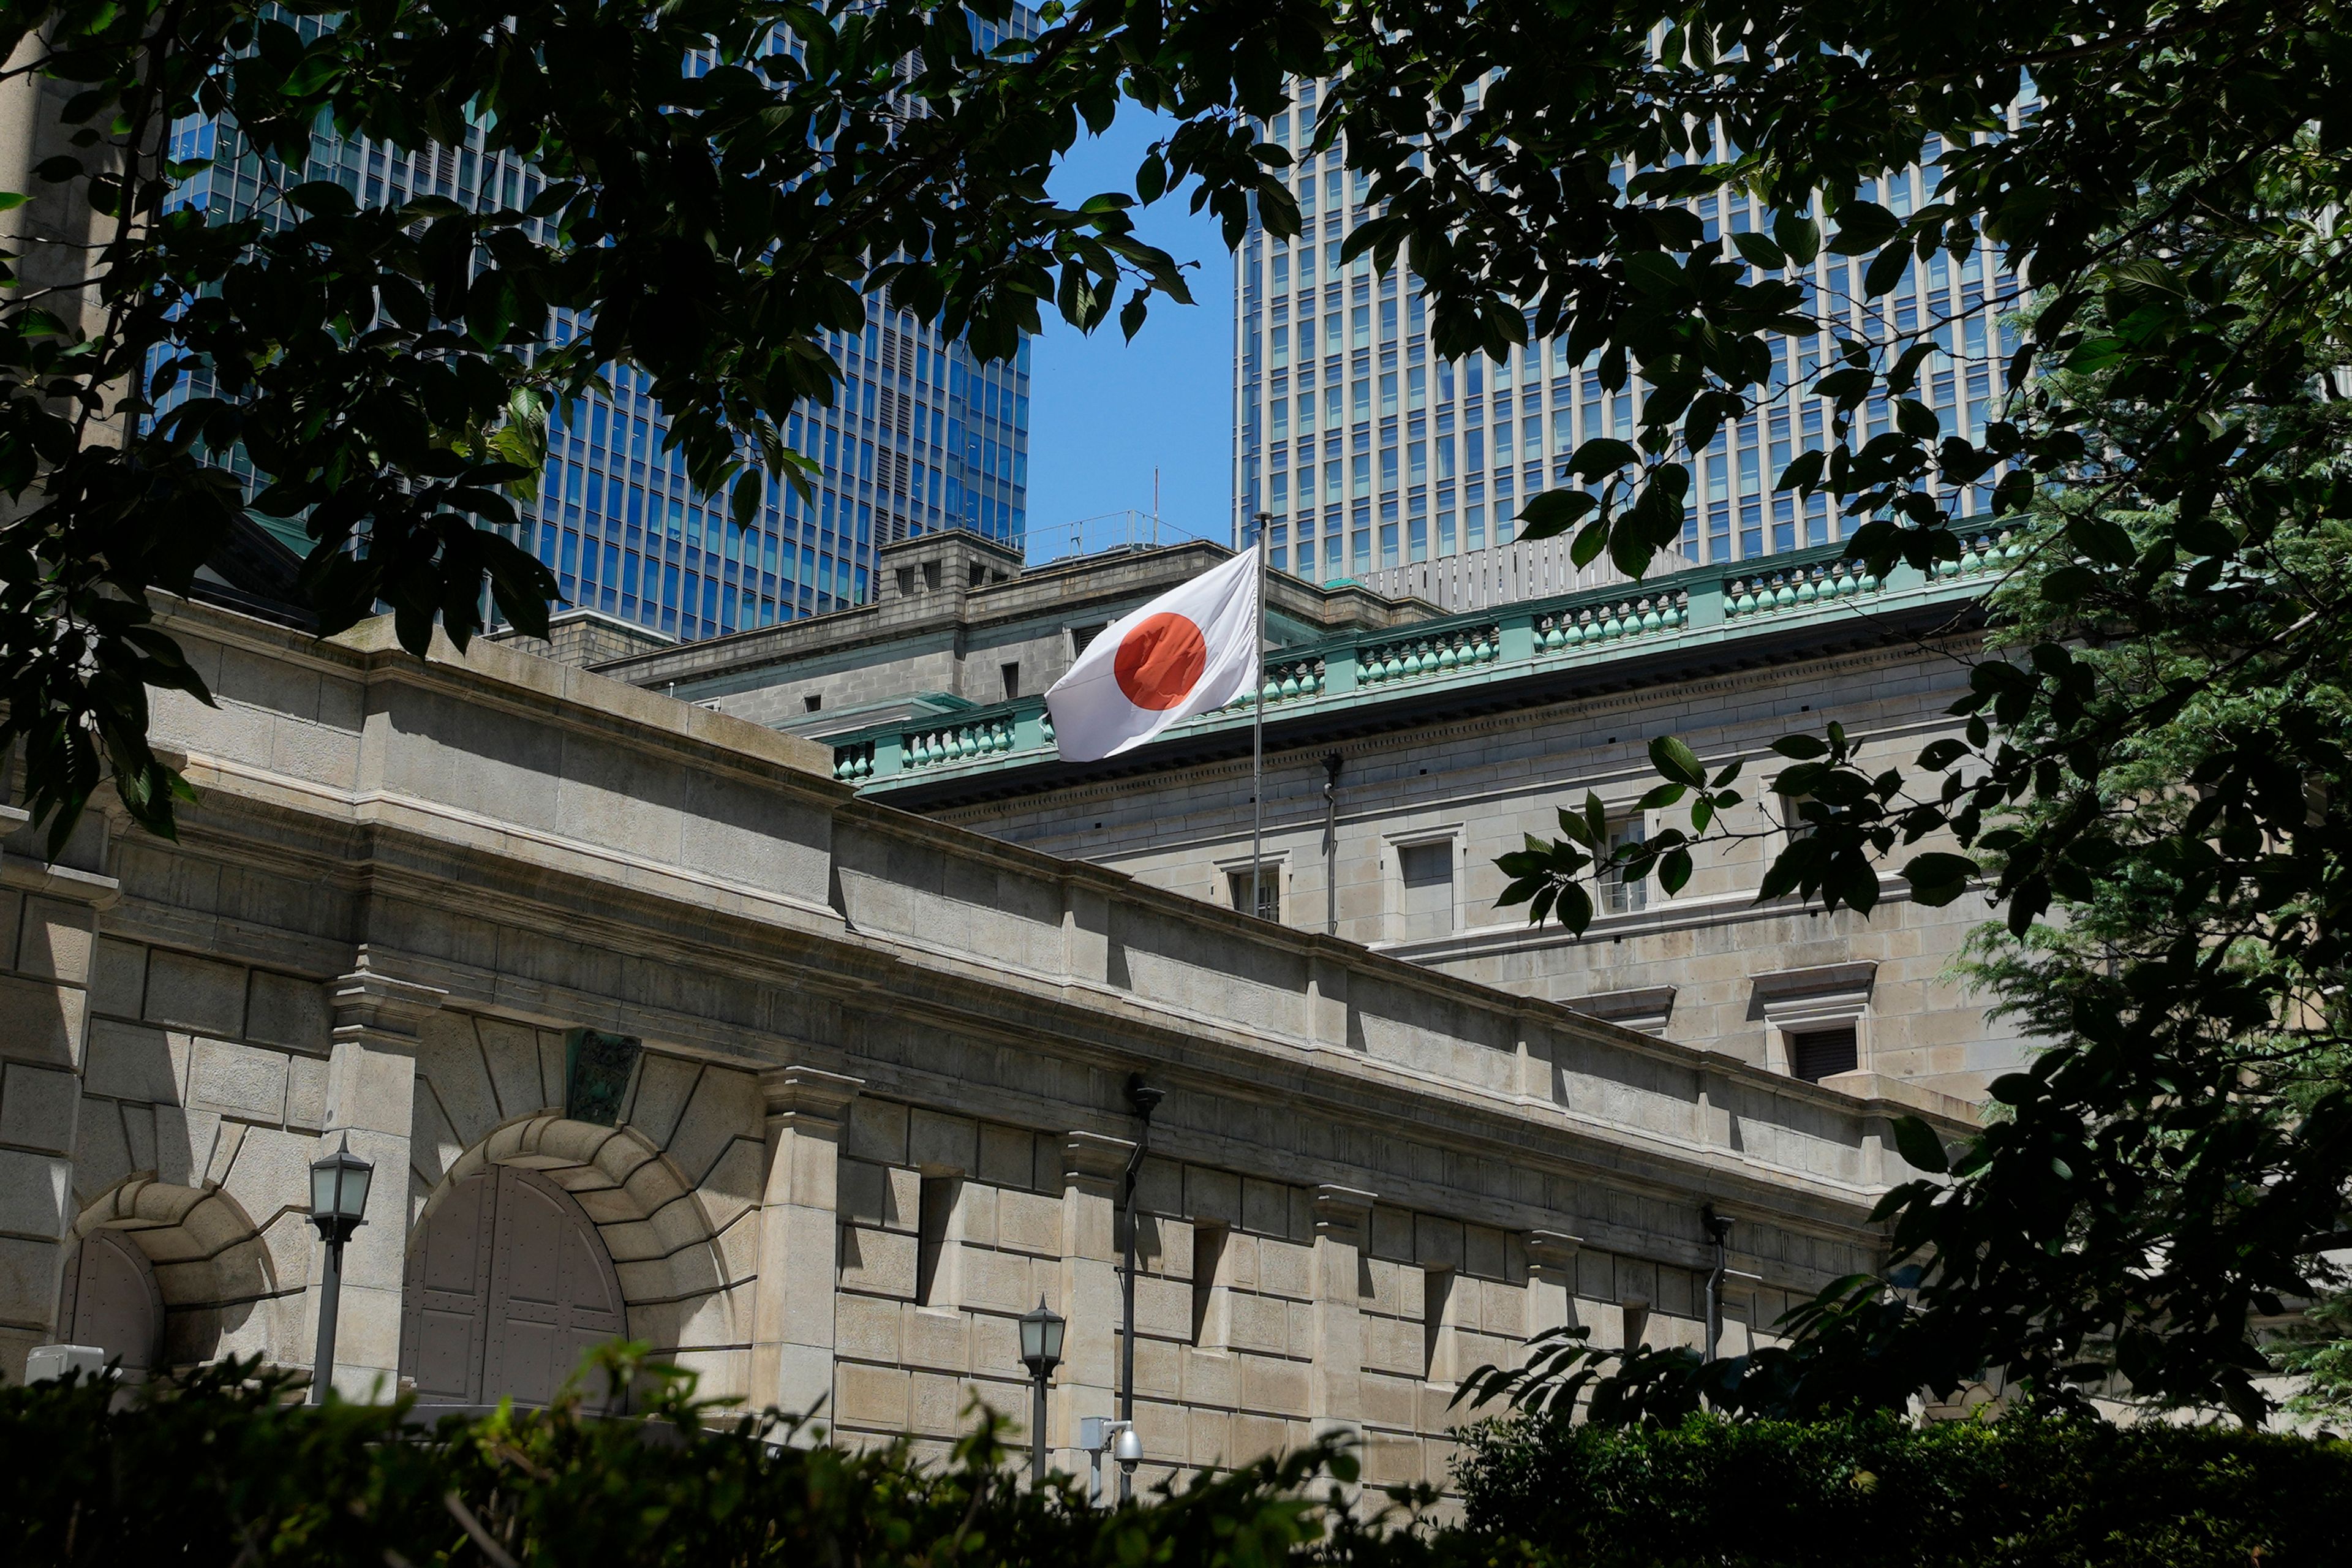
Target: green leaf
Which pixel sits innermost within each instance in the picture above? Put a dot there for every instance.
(1918, 1144)
(2100, 540)
(1887, 269)
(1938, 878)
(1799, 236)
(1554, 512)
(1862, 227)
(322, 198)
(1602, 456)
(1760, 251)
(1676, 761)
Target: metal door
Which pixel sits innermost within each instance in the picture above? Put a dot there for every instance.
(110, 1300)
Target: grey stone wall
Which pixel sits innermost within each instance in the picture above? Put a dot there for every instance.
(1709, 966)
(404, 882)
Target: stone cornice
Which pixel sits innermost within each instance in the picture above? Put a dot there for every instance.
(800, 1093)
(1472, 728)
(1093, 1159)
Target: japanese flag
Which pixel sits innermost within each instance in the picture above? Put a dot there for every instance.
(1191, 651)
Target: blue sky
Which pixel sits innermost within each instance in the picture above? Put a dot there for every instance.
(1103, 411)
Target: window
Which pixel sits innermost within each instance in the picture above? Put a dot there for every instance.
(1817, 1054)
(1011, 672)
(1426, 871)
(1208, 1268)
(1618, 894)
(1436, 1294)
(1081, 636)
(935, 1204)
(1269, 891)
(906, 582)
(812, 702)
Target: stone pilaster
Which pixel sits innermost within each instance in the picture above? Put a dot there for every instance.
(1093, 1170)
(1551, 1281)
(1343, 1219)
(372, 1101)
(49, 938)
(800, 1237)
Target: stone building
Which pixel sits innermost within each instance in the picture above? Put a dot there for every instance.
(854, 1099)
(1408, 747)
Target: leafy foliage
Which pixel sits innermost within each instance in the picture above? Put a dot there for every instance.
(222, 1467)
(2150, 779)
(2157, 759)
(2320, 1357)
(716, 187)
(1876, 1490)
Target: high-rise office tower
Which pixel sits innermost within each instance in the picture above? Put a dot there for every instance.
(1370, 453)
(922, 433)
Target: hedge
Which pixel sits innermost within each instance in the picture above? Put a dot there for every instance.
(1878, 1492)
(224, 1468)
(227, 1468)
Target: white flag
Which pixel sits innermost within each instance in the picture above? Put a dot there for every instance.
(1192, 650)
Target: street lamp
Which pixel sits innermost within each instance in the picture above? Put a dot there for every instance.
(338, 1189)
(1041, 1353)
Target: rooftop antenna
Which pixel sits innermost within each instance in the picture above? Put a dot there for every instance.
(1155, 506)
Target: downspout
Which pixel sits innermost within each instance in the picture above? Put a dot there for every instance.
(1331, 766)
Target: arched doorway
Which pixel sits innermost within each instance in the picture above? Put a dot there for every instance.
(109, 1299)
(509, 1284)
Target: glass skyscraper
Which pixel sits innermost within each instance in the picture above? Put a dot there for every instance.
(921, 435)
(1370, 453)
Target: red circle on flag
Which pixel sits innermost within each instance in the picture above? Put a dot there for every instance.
(1160, 662)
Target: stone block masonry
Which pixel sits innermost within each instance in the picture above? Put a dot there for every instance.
(878, 1110)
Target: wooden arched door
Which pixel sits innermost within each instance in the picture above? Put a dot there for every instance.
(508, 1287)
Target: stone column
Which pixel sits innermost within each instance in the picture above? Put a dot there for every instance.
(1093, 1170)
(372, 1102)
(48, 934)
(1551, 1281)
(1343, 1218)
(799, 1238)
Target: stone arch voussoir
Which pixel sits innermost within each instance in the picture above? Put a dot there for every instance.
(213, 1269)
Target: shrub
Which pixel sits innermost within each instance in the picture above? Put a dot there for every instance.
(223, 1468)
(1876, 1490)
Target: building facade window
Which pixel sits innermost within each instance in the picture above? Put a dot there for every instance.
(1426, 888)
(1268, 902)
(1817, 1054)
(1620, 894)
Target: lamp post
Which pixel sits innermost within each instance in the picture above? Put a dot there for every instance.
(1041, 1353)
(338, 1189)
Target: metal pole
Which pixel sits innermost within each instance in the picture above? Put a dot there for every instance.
(1331, 766)
(1143, 1097)
(1037, 1436)
(1257, 737)
(331, 1291)
(1720, 1229)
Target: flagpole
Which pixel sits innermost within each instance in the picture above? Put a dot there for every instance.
(1257, 737)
